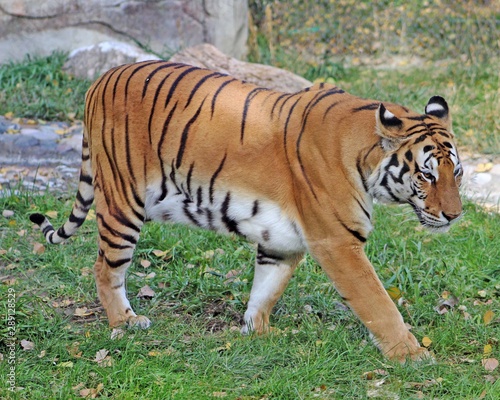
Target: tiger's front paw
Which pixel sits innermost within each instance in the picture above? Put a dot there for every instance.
(139, 321)
(255, 322)
(406, 349)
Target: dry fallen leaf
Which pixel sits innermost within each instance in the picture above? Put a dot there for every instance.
(445, 304)
(91, 393)
(103, 359)
(146, 263)
(51, 214)
(27, 345)
(487, 350)
(490, 364)
(117, 333)
(74, 350)
(146, 293)
(66, 364)
(82, 312)
(160, 254)
(369, 375)
(426, 341)
(38, 248)
(394, 293)
(488, 317)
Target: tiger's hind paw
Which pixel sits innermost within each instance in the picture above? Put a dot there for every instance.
(138, 321)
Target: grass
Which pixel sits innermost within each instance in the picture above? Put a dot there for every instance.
(38, 88)
(318, 349)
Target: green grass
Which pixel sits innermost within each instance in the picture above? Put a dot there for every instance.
(38, 88)
(194, 350)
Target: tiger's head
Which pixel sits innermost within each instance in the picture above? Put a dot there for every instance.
(421, 166)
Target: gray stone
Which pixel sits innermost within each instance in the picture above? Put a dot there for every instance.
(207, 56)
(42, 133)
(25, 141)
(164, 26)
(3, 127)
(92, 61)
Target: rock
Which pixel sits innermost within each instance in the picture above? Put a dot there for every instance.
(3, 127)
(92, 61)
(207, 56)
(164, 26)
(42, 133)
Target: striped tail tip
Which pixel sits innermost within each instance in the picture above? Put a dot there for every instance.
(37, 218)
(45, 226)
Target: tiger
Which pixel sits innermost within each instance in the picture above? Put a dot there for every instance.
(291, 172)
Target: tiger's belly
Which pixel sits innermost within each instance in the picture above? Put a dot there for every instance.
(257, 220)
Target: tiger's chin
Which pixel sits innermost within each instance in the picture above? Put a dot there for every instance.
(436, 228)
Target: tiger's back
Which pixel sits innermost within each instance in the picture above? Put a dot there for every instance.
(293, 172)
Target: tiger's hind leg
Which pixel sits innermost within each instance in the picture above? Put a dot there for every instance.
(117, 240)
(272, 274)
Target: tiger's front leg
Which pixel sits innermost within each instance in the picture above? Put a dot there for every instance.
(356, 281)
(272, 274)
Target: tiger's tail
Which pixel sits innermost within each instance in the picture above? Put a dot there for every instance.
(81, 206)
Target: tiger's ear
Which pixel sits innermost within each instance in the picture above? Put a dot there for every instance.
(389, 128)
(438, 108)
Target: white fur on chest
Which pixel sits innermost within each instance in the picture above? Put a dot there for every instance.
(260, 221)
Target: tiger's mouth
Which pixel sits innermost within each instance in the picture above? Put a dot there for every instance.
(430, 222)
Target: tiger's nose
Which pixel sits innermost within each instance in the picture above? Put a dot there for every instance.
(451, 216)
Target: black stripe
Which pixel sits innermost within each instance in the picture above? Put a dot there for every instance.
(231, 224)
(217, 94)
(76, 220)
(123, 219)
(361, 175)
(371, 106)
(172, 178)
(197, 86)
(114, 245)
(188, 213)
(135, 71)
(184, 135)
(48, 228)
(164, 190)
(86, 178)
(124, 236)
(199, 196)
(85, 203)
(128, 154)
(246, 106)
(61, 232)
(214, 177)
(151, 75)
(117, 263)
(85, 157)
(255, 208)
(355, 233)
(277, 101)
(118, 79)
(329, 108)
(189, 176)
(285, 130)
(176, 82)
(364, 209)
(155, 101)
(283, 104)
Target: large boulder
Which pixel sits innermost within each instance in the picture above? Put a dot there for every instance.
(162, 26)
(92, 61)
(207, 56)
